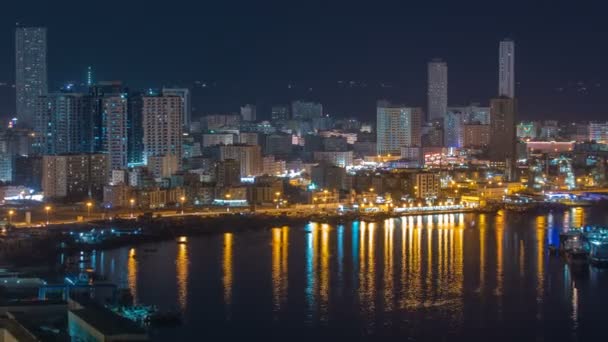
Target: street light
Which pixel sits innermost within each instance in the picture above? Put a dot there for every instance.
(277, 200)
(89, 205)
(228, 196)
(132, 201)
(10, 215)
(182, 200)
(47, 209)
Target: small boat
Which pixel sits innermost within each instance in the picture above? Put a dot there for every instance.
(182, 240)
(598, 246)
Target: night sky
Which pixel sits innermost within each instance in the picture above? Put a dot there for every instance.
(249, 51)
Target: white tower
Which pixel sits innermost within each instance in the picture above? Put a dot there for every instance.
(506, 68)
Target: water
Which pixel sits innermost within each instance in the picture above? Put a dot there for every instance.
(440, 277)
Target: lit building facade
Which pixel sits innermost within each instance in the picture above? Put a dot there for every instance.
(506, 68)
(30, 71)
(397, 126)
(162, 126)
(437, 94)
(184, 94)
(115, 130)
(248, 156)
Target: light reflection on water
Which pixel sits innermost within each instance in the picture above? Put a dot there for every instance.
(450, 269)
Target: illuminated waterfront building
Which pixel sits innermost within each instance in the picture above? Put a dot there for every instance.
(425, 184)
(503, 140)
(397, 126)
(75, 176)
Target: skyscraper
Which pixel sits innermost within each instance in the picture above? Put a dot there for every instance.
(248, 156)
(184, 94)
(503, 137)
(115, 130)
(30, 71)
(162, 126)
(135, 129)
(437, 94)
(397, 126)
(506, 68)
(453, 129)
(60, 123)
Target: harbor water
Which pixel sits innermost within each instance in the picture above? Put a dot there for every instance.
(437, 277)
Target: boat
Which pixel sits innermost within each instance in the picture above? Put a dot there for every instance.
(182, 240)
(598, 245)
(574, 246)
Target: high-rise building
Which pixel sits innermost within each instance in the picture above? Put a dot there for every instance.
(453, 134)
(162, 126)
(75, 176)
(184, 94)
(279, 112)
(506, 68)
(278, 145)
(503, 137)
(135, 129)
(437, 94)
(248, 156)
(301, 110)
(60, 123)
(476, 136)
(228, 173)
(248, 112)
(425, 184)
(30, 72)
(115, 130)
(397, 126)
(93, 122)
(598, 132)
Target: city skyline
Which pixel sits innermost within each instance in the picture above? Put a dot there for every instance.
(252, 71)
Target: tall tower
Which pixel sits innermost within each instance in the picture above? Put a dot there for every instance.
(503, 135)
(437, 94)
(184, 94)
(30, 71)
(506, 68)
(162, 126)
(397, 126)
(114, 123)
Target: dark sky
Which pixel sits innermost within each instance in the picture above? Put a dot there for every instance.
(252, 49)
